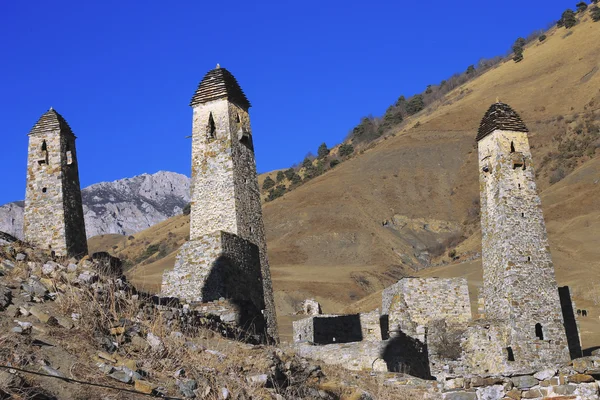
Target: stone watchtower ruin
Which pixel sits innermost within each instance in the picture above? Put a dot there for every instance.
(519, 285)
(226, 256)
(53, 216)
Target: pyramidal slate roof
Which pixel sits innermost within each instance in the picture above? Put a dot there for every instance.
(218, 84)
(500, 116)
(51, 121)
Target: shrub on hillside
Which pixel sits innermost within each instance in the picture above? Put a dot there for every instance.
(280, 176)
(365, 131)
(581, 6)
(333, 163)
(276, 192)
(568, 19)
(307, 163)
(289, 173)
(187, 209)
(346, 149)
(595, 13)
(542, 38)
(470, 70)
(295, 179)
(322, 151)
(415, 104)
(392, 117)
(268, 183)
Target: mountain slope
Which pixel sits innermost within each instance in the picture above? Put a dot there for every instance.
(122, 207)
(401, 205)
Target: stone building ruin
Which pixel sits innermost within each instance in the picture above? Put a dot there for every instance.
(226, 256)
(53, 214)
(525, 324)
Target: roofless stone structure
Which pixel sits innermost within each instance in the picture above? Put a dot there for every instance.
(227, 252)
(53, 216)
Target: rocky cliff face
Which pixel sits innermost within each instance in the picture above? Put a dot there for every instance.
(125, 206)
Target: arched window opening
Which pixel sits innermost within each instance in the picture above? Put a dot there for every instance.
(43, 158)
(510, 355)
(237, 118)
(512, 147)
(211, 128)
(539, 333)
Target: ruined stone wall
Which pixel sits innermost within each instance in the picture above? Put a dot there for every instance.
(519, 283)
(326, 329)
(53, 214)
(415, 302)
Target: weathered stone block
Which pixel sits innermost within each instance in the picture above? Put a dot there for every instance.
(524, 382)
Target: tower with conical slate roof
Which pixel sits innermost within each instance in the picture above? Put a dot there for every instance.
(53, 216)
(227, 252)
(519, 285)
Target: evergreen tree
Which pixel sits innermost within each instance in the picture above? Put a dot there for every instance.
(401, 101)
(595, 13)
(307, 163)
(346, 149)
(518, 49)
(295, 179)
(471, 70)
(289, 173)
(280, 176)
(268, 183)
(415, 105)
(428, 90)
(581, 6)
(323, 151)
(568, 19)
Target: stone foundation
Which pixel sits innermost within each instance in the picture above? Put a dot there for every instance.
(219, 265)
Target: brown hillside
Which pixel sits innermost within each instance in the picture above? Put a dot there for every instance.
(327, 238)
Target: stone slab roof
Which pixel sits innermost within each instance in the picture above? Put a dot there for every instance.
(218, 84)
(49, 122)
(500, 116)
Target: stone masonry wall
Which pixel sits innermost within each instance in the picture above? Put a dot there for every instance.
(519, 283)
(53, 214)
(219, 265)
(326, 329)
(415, 302)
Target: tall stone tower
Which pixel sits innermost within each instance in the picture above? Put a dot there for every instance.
(53, 216)
(226, 212)
(519, 286)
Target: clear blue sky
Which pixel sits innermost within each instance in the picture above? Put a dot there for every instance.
(122, 72)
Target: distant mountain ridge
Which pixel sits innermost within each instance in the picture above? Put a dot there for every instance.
(124, 206)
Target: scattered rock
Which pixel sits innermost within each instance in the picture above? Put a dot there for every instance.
(220, 355)
(21, 257)
(66, 323)
(117, 331)
(139, 343)
(87, 277)
(224, 393)
(34, 287)
(48, 268)
(121, 376)
(155, 342)
(42, 316)
(258, 380)
(5, 297)
(144, 387)
(106, 356)
(105, 368)
(187, 388)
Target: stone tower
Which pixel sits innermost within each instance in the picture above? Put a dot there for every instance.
(519, 286)
(226, 212)
(53, 216)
